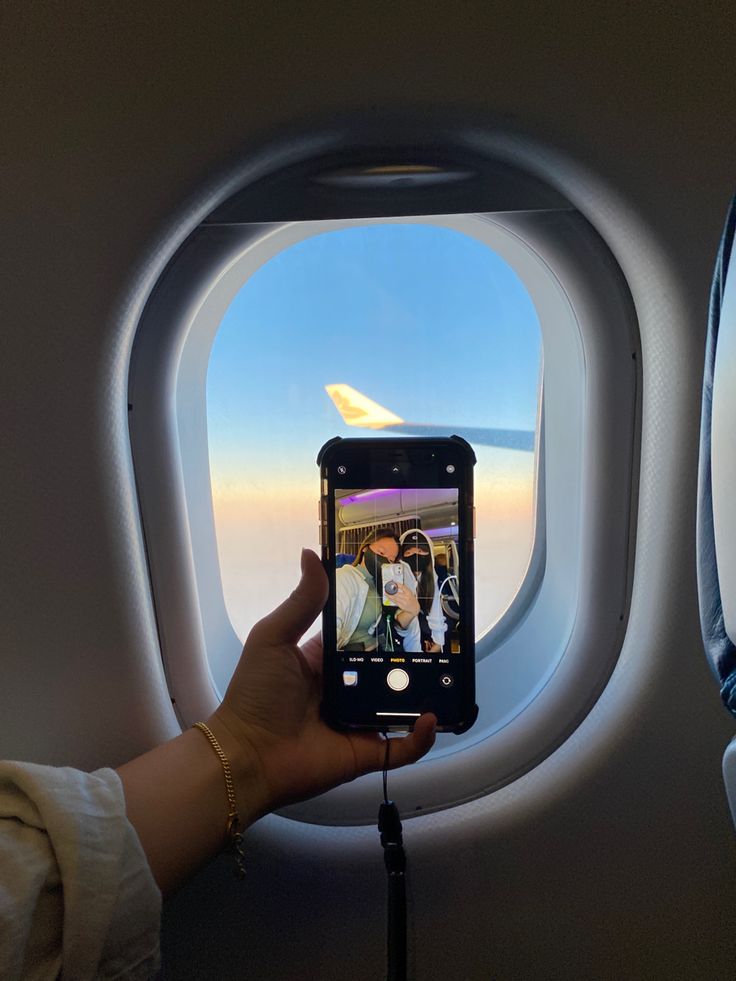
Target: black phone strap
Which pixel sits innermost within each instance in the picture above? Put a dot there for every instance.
(394, 857)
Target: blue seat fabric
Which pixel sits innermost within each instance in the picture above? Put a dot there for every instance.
(719, 647)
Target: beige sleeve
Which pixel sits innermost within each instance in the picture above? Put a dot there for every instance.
(77, 898)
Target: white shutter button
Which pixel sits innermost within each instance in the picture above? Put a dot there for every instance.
(397, 679)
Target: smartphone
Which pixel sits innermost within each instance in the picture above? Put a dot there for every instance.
(399, 639)
(392, 576)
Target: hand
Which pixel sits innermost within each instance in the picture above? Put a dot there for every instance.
(406, 600)
(269, 728)
(271, 710)
(431, 648)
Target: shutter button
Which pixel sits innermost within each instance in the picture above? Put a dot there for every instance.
(397, 679)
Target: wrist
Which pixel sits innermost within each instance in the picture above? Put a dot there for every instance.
(239, 746)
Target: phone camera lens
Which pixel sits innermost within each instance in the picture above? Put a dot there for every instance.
(342, 470)
(450, 468)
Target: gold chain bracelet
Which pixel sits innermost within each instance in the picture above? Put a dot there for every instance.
(235, 836)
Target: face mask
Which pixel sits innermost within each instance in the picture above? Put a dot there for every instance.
(373, 564)
(417, 563)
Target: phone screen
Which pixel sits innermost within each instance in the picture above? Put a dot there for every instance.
(397, 544)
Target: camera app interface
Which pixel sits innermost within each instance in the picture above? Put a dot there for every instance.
(398, 594)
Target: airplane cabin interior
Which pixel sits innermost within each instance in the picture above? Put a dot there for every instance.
(197, 201)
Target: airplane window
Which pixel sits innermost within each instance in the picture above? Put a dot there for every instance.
(371, 330)
(264, 339)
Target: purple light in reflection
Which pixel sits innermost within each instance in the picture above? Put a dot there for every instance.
(450, 532)
(410, 496)
(369, 495)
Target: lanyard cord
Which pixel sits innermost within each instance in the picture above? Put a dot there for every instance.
(389, 826)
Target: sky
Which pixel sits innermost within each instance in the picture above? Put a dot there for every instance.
(424, 320)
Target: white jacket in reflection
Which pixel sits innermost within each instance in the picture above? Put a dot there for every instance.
(436, 618)
(351, 594)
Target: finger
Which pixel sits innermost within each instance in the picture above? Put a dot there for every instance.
(289, 621)
(371, 752)
(412, 747)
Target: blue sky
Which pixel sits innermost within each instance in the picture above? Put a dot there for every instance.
(424, 320)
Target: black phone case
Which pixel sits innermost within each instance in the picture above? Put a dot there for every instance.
(324, 457)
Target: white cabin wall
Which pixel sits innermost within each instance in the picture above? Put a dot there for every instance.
(113, 115)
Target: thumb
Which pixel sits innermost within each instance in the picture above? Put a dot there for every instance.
(289, 621)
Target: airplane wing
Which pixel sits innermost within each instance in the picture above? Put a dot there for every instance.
(358, 410)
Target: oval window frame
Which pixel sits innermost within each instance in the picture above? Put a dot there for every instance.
(168, 370)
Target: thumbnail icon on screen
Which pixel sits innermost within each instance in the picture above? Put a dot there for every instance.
(350, 678)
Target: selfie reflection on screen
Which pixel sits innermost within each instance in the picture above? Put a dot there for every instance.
(397, 588)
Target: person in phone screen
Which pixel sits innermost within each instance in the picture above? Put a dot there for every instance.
(359, 608)
(416, 551)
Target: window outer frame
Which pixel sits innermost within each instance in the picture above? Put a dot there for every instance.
(169, 363)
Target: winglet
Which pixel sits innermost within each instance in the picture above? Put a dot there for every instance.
(358, 410)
